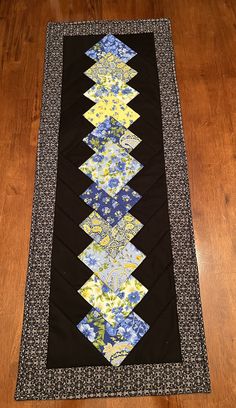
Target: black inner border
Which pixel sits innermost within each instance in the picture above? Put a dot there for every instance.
(67, 347)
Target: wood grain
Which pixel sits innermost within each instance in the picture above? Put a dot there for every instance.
(204, 34)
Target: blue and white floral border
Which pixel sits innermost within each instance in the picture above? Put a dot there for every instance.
(37, 382)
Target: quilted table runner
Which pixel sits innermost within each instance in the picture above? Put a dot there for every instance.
(112, 304)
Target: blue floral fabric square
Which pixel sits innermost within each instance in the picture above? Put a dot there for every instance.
(111, 209)
(115, 343)
(112, 168)
(111, 44)
(127, 197)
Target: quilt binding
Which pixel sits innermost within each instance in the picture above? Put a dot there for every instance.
(35, 382)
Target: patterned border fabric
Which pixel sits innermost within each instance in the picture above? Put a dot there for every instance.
(120, 334)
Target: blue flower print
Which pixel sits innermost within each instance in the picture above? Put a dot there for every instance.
(117, 309)
(109, 129)
(92, 54)
(105, 289)
(142, 328)
(129, 334)
(126, 90)
(87, 330)
(126, 197)
(133, 328)
(106, 337)
(134, 297)
(122, 295)
(111, 330)
(91, 261)
(120, 166)
(97, 157)
(110, 43)
(119, 317)
(115, 89)
(110, 209)
(113, 182)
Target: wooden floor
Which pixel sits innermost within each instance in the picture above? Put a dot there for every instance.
(204, 34)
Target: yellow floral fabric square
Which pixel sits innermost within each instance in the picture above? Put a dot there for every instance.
(112, 239)
(110, 70)
(111, 106)
(121, 91)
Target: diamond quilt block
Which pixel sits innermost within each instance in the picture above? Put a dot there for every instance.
(112, 239)
(127, 197)
(110, 44)
(111, 106)
(111, 130)
(121, 91)
(114, 343)
(111, 169)
(113, 272)
(110, 71)
(111, 209)
(113, 306)
(106, 206)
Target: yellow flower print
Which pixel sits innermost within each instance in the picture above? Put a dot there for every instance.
(96, 221)
(109, 70)
(108, 348)
(86, 293)
(129, 226)
(129, 236)
(96, 229)
(86, 228)
(116, 353)
(105, 241)
(128, 218)
(114, 107)
(130, 266)
(114, 232)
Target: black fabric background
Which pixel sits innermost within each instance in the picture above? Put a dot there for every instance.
(67, 347)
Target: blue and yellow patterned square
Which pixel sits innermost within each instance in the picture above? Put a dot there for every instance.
(113, 306)
(110, 71)
(112, 209)
(112, 271)
(115, 343)
(112, 168)
(111, 130)
(110, 44)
